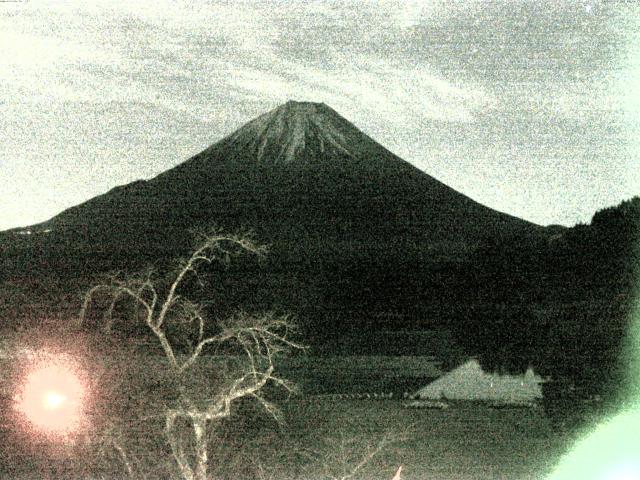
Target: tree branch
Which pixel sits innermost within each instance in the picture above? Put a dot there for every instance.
(258, 340)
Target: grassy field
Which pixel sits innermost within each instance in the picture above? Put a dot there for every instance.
(361, 373)
(324, 438)
(466, 441)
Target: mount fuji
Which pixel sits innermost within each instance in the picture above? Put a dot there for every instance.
(344, 216)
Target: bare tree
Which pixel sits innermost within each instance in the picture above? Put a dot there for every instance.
(246, 346)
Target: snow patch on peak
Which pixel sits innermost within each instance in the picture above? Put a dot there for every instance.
(296, 130)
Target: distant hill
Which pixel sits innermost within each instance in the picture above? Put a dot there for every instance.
(342, 214)
(562, 303)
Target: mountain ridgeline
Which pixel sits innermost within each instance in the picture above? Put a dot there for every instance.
(348, 222)
(300, 173)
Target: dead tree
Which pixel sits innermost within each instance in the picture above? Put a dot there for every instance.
(257, 340)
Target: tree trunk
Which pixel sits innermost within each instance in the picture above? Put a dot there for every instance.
(202, 460)
(178, 454)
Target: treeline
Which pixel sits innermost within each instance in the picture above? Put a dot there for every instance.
(560, 301)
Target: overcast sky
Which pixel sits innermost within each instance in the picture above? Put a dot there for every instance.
(529, 107)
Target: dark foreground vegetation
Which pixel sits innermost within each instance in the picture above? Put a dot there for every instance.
(326, 439)
(562, 303)
(559, 300)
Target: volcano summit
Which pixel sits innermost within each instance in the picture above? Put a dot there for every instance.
(297, 131)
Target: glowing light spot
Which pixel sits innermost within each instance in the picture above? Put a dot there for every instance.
(52, 399)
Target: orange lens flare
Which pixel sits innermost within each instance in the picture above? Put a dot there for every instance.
(52, 399)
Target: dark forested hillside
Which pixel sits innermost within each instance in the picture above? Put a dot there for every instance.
(560, 302)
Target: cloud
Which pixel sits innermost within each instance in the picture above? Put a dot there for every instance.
(146, 52)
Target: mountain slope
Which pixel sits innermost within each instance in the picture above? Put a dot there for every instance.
(301, 162)
(332, 202)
